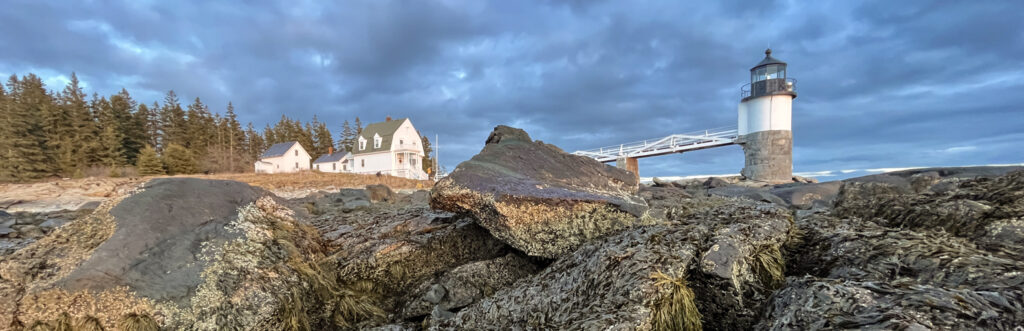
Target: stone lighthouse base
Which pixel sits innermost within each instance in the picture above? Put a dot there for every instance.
(768, 156)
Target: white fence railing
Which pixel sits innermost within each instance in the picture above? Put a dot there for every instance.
(676, 143)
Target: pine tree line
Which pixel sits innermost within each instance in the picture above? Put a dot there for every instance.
(47, 133)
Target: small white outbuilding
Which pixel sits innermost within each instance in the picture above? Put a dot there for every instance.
(334, 162)
(283, 157)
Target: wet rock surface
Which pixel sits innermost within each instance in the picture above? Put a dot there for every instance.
(537, 198)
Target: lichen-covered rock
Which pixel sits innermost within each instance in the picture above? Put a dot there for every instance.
(809, 303)
(537, 198)
(633, 280)
(183, 253)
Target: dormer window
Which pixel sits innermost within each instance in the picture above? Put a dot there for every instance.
(376, 141)
(362, 143)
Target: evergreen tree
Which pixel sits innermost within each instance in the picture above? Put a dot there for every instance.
(200, 127)
(348, 137)
(306, 138)
(179, 160)
(111, 152)
(428, 161)
(22, 140)
(359, 127)
(149, 163)
(172, 121)
(321, 141)
(153, 128)
(234, 135)
(254, 143)
(83, 135)
(57, 124)
(269, 136)
(130, 124)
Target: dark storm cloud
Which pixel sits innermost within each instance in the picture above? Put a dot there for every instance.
(881, 84)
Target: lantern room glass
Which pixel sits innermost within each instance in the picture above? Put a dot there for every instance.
(772, 71)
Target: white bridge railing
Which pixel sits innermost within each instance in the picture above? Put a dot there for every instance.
(676, 143)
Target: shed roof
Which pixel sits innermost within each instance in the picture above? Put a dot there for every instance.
(386, 130)
(335, 157)
(279, 149)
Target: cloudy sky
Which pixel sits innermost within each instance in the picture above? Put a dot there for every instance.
(882, 84)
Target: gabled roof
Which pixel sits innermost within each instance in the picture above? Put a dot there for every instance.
(332, 157)
(386, 130)
(278, 149)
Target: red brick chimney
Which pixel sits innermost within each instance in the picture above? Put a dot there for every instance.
(387, 119)
(330, 150)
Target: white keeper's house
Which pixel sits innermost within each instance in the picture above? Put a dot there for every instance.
(392, 147)
(283, 157)
(334, 162)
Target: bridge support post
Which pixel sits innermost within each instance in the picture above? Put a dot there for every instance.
(628, 164)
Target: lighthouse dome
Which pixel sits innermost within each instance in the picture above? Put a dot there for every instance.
(768, 59)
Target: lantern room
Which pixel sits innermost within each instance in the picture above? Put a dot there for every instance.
(769, 77)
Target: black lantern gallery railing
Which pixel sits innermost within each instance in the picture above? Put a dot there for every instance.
(767, 87)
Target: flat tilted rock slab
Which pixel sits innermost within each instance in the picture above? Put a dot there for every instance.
(538, 198)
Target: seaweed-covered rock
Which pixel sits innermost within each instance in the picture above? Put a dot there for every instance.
(741, 261)
(380, 193)
(813, 304)
(467, 284)
(989, 211)
(390, 249)
(863, 251)
(537, 198)
(806, 196)
(183, 253)
(752, 193)
(632, 280)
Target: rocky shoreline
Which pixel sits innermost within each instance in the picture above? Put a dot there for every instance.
(525, 236)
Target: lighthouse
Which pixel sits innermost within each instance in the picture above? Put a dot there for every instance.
(765, 122)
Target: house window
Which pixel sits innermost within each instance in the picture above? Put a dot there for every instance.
(296, 165)
(317, 167)
(401, 142)
(362, 163)
(296, 152)
(334, 166)
(362, 143)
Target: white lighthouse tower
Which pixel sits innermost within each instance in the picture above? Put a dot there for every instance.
(765, 122)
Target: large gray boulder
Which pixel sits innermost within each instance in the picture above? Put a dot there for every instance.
(183, 253)
(537, 198)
